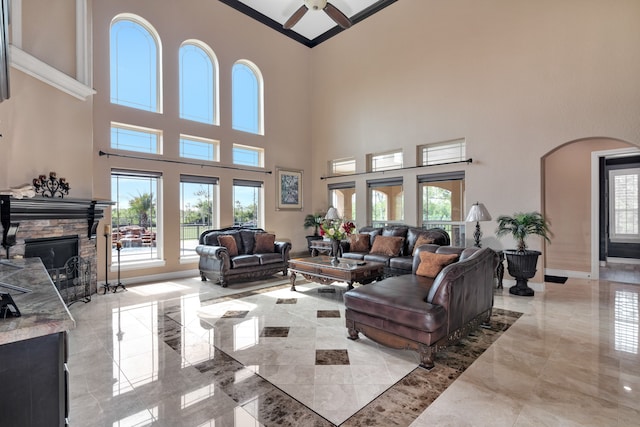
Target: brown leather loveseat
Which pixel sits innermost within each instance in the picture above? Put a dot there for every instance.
(422, 313)
(240, 253)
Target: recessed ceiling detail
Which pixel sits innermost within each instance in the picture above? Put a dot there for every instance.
(313, 26)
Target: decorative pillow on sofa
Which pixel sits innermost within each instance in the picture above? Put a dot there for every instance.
(422, 240)
(229, 242)
(264, 243)
(359, 242)
(387, 245)
(431, 264)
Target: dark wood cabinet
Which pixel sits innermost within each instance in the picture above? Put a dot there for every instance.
(34, 382)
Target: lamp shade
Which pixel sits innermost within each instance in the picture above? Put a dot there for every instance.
(478, 213)
(332, 214)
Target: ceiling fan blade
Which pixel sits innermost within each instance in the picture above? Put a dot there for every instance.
(297, 15)
(335, 14)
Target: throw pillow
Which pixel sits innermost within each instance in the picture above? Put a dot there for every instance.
(359, 243)
(387, 245)
(422, 240)
(264, 243)
(431, 264)
(229, 242)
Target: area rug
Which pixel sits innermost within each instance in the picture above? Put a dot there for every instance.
(297, 342)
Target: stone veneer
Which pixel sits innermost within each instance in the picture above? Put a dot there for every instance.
(41, 217)
(46, 228)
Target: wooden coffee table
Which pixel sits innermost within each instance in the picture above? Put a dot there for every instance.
(319, 269)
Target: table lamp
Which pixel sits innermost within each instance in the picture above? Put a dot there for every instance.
(478, 213)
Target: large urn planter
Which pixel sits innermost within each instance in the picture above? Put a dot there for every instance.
(521, 263)
(522, 266)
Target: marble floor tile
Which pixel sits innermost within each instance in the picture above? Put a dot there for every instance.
(167, 355)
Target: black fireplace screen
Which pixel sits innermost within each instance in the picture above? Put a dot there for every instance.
(70, 274)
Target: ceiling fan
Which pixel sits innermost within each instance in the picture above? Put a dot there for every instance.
(333, 12)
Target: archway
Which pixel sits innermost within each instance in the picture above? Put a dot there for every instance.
(571, 204)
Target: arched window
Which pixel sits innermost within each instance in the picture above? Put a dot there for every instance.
(135, 58)
(198, 83)
(247, 93)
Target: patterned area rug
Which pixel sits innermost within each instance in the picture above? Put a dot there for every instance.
(296, 341)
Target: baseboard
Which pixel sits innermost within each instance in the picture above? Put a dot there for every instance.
(183, 274)
(623, 261)
(567, 273)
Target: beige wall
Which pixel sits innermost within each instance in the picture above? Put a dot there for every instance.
(515, 78)
(232, 36)
(44, 129)
(567, 201)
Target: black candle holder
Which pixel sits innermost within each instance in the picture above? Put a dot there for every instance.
(51, 186)
(106, 285)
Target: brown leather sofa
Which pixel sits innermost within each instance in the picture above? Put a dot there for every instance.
(217, 265)
(402, 262)
(421, 313)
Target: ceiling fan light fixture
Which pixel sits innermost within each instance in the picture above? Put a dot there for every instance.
(315, 4)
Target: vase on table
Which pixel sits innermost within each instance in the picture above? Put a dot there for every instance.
(335, 249)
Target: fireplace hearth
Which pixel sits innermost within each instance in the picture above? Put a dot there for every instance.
(25, 221)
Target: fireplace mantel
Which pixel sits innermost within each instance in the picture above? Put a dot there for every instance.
(13, 211)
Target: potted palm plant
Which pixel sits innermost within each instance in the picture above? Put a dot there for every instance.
(313, 220)
(522, 262)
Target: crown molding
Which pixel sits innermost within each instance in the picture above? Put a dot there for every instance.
(29, 64)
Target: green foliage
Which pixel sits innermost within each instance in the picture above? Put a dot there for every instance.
(521, 226)
(142, 206)
(313, 220)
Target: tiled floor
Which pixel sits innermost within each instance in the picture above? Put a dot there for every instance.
(184, 354)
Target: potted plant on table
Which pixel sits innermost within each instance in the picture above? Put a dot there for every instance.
(313, 220)
(522, 262)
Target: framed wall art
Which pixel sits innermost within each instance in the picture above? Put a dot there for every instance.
(289, 189)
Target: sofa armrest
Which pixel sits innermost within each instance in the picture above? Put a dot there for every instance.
(211, 251)
(283, 249)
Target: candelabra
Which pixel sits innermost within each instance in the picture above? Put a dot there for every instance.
(52, 186)
(107, 238)
(118, 248)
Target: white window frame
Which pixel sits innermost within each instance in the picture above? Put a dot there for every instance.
(346, 166)
(158, 260)
(257, 150)
(156, 38)
(388, 160)
(458, 148)
(619, 237)
(215, 98)
(214, 147)
(150, 131)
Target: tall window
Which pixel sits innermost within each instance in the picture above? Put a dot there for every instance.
(135, 222)
(248, 156)
(247, 98)
(386, 199)
(193, 147)
(134, 63)
(198, 210)
(624, 205)
(247, 203)
(442, 152)
(342, 196)
(198, 83)
(135, 138)
(442, 203)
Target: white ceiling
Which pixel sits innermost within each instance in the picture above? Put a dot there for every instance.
(315, 26)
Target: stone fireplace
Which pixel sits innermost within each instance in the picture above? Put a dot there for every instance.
(28, 223)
